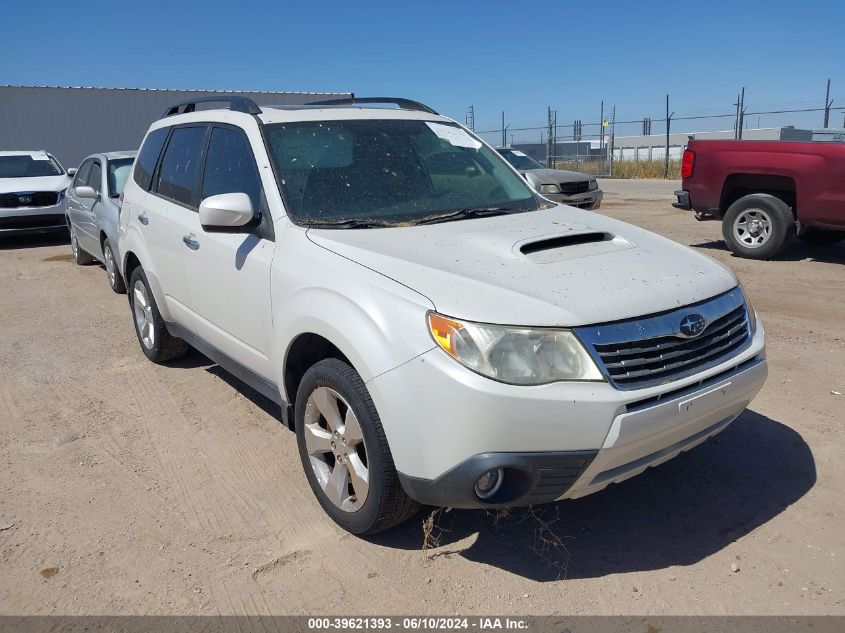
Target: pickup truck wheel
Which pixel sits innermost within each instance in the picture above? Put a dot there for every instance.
(821, 237)
(156, 342)
(344, 451)
(112, 273)
(758, 226)
(80, 256)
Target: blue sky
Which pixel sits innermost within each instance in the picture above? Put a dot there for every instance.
(519, 57)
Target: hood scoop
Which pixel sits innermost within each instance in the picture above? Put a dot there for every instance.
(559, 241)
(553, 248)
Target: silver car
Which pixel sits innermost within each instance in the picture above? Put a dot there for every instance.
(566, 187)
(91, 207)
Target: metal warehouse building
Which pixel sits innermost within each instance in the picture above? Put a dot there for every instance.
(71, 123)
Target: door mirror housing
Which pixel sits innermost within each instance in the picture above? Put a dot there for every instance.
(226, 211)
(86, 193)
(71, 172)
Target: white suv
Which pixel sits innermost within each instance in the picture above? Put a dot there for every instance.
(434, 330)
(32, 187)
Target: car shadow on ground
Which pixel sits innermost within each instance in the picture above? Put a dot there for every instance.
(796, 251)
(195, 360)
(15, 242)
(674, 515)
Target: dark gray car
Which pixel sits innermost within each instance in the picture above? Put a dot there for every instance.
(91, 206)
(566, 187)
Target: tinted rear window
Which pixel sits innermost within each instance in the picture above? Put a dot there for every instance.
(148, 157)
(177, 176)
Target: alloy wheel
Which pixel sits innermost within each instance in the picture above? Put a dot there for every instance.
(336, 449)
(111, 269)
(74, 245)
(143, 309)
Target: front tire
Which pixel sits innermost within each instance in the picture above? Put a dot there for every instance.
(80, 256)
(344, 451)
(758, 226)
(112, 273)
(821, 237)
(156, 342)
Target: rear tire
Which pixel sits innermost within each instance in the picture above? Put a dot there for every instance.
(758, 226)
(112, 272)
(821, 237)
(156, 342)
(80, 256)
(344, 451)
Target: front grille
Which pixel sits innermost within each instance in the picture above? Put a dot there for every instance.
(32, 221)
(571, 188)
(650, 351)
(28, 199)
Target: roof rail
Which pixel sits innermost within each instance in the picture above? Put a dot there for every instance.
(405, 104)
(236, 104)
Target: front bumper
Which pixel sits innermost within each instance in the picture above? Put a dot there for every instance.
(33, 220)
(588, 200)
(447, 425)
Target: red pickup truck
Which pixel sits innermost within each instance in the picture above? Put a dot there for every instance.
(764, 192)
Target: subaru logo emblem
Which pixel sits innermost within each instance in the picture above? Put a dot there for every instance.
(25, 199)
(692, 325)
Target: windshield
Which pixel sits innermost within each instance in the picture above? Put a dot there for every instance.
(26, 166)
(521, 160)
(389, 172)
(118, 173)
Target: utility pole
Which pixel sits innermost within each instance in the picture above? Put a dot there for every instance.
(668, 125)
(612, 138)
(504, 131)
(470, 118)
(736, 119)
(741, 112)
(827, 104)
(601, 127)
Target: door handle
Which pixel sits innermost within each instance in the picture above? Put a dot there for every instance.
(191, 241)
(143, 218)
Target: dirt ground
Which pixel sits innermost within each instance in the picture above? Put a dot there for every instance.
(131, 488)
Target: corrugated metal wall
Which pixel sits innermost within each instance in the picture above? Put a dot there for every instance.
(72, 123)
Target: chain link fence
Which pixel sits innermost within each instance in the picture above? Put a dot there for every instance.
(651, 147)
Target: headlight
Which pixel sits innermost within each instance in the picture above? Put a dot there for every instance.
(515, 355)
(593, 185)
(549, 189)
(752, 313)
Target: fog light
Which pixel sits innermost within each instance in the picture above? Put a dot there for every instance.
(489, 483)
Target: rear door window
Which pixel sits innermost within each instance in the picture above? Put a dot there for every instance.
(230, 167)
(180, 165)
(148, 157)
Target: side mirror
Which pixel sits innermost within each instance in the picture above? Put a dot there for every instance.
(533, 181)
(226, 211)
(86, 193)
(71, 172)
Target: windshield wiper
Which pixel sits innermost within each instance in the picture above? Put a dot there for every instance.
(460, 214)
(348, 224)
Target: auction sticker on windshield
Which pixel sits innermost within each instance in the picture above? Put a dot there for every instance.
(454, 135)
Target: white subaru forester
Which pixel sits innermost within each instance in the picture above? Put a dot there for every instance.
(435, 331)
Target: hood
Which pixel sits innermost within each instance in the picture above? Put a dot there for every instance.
(554, 176)
(560, 267)
(42, 183)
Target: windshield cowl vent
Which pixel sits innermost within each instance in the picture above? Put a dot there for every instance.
(562, 241)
